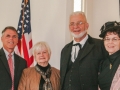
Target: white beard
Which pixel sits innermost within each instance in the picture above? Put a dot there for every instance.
(79, 35)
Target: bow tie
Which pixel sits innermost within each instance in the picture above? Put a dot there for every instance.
(78, 44)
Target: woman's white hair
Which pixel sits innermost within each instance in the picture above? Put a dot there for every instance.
(41, 45)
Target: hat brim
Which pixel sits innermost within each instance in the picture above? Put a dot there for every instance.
(107, 30)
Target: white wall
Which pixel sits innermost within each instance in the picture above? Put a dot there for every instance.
(99, 12)
(49, 20)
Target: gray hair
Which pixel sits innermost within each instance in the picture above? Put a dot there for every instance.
(9, 27)
(41, 45)
(79, 13)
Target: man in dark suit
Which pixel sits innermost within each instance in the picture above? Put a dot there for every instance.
(8, 80)
(80, 58)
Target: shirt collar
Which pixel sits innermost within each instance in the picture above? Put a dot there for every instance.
(82, 42)
(7, 53)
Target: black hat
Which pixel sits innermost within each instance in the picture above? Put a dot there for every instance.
(109, 26)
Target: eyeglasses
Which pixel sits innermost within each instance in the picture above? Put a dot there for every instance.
(113, 39)
(77, 24)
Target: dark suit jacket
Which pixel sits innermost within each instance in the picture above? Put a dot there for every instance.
(5, 77)
(92, 53)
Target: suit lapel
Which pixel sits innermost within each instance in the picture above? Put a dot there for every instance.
(66, 58)
(4, 60)
(16, 62)
(86, 49)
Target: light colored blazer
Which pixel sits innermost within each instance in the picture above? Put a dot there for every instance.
(30, 79)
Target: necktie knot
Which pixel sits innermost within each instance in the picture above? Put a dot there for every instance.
(77, 44)
(10, 55)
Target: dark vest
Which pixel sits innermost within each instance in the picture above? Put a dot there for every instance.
(72, 79)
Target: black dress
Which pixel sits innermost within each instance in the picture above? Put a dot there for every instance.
(107, 70)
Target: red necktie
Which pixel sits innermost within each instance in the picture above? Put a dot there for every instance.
(10, 63)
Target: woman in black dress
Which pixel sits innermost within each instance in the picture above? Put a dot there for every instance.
(109, 77)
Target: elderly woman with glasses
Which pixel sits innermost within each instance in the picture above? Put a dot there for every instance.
(42, 76)
(109, 77)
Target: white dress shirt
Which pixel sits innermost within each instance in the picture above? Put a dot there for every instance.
(7, 53)
(77, 48)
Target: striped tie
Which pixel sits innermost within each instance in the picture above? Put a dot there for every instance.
(10, 63)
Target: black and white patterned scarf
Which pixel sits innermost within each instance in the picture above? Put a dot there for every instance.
(46, 76)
